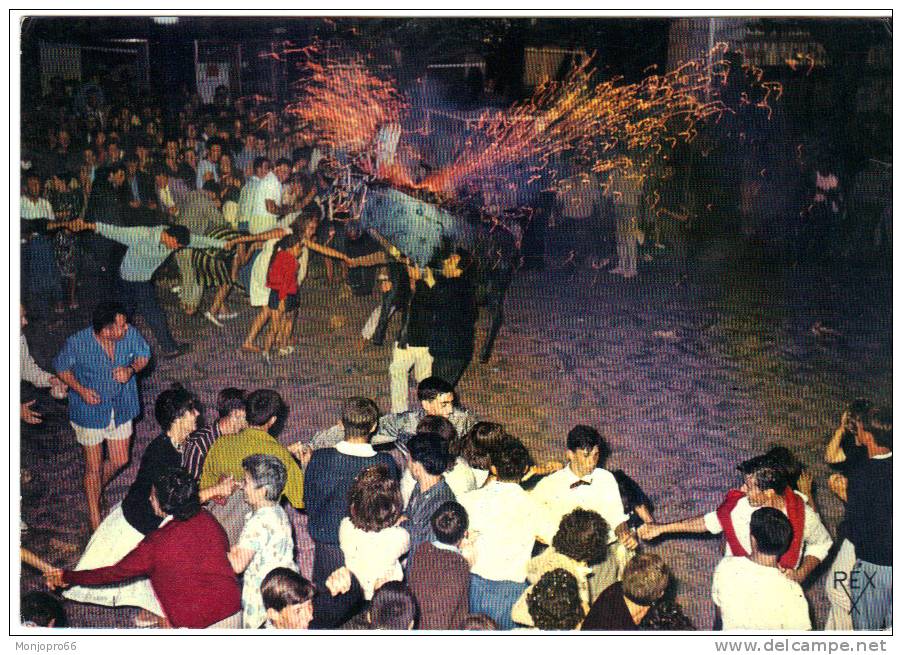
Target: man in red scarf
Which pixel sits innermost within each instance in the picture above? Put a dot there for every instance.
(765, 484)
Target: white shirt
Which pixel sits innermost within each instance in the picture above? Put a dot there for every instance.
(755, 597)
(259, 292)
(260, 218)
(31, 372)
(601, 495)
(33, 209)
(505, 521)
(372, 556)
(816, 541)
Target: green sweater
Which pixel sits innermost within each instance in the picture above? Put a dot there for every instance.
(226, 454)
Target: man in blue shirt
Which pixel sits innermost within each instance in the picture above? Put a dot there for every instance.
(99, 365)
(148, 248)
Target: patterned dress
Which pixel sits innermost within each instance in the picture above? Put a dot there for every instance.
(267, 533)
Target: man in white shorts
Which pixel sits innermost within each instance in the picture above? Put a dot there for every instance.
(99, 365)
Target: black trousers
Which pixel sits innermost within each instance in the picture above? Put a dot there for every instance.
(329, 611)
(449, 369)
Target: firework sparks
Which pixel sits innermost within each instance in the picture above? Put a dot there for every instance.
(609, 125)
(345, 103)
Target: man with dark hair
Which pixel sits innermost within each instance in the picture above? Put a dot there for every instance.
(264, 411)
(428, 460)
(866, 486)
(140, 185)
(453, 335)
(41, 274)
(393, 608)
(554, 602)
(99, 365)
(411, 349)
(40, 609)
(436, 398)
(147, 249)
(505, 521)
(230, 406)
(438, 574)
(288, 599)
(751, 592)
(108, 204)
(583, 484)
(765, 484)
(329, 476)
(208, 167)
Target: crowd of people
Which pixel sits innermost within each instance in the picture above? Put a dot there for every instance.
(424, 518)
(430, 518)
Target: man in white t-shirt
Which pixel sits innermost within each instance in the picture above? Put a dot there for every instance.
(751, 592)
(504, 524)
(582, 484)
(267, 208)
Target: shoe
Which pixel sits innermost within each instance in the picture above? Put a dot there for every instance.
(287, 350)
(175, 289)
(225, 316)
(215, 321)
(180, 349)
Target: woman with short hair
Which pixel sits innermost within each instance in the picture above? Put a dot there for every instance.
(266, 542)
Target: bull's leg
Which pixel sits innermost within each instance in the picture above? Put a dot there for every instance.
(495, 308)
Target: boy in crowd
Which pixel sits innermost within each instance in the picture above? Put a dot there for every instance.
(751, 592)
(438, 574)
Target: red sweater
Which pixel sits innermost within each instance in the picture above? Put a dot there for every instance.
(188, 568)
(282, 276)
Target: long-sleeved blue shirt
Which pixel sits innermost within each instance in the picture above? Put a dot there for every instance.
(145, 252)
(86, 359)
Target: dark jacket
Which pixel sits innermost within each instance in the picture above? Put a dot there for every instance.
(453, 328)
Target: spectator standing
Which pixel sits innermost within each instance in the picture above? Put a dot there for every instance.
(869, 519)
(99, 365)
(438, 574)
(328, 479)
(582, 485)
(265, 542)
(751, 592)
(504, 524)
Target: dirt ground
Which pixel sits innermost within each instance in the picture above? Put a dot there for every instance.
(683, 382)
